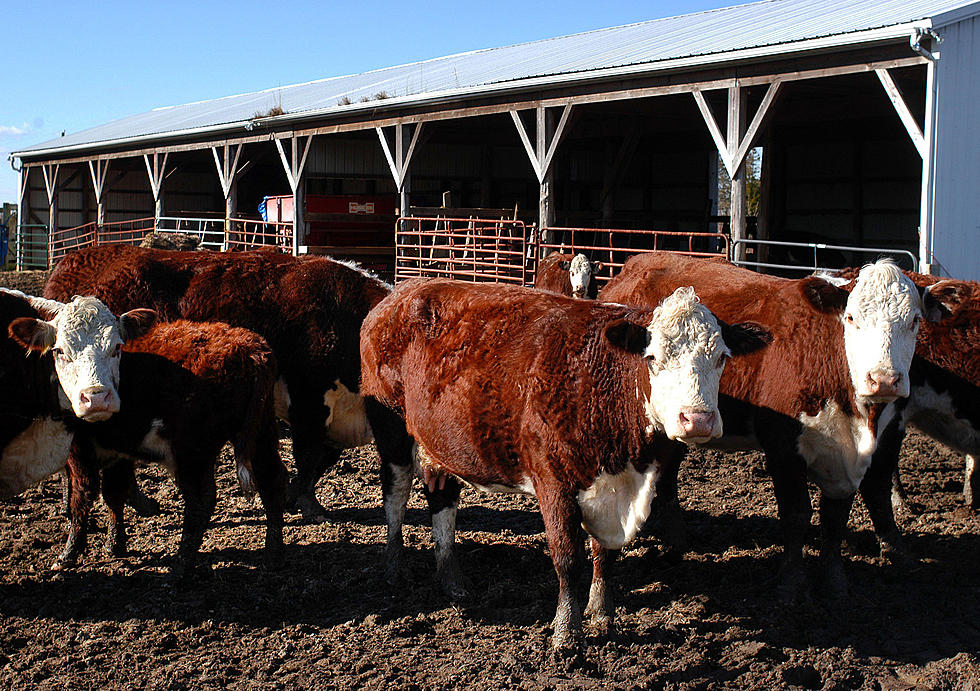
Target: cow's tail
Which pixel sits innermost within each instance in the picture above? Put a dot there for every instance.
(259, 414)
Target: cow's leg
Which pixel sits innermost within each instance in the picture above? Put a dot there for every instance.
(876, 491)
(833, 523)
(397, 470)
(443, 503)
(143, 504)
(116, 483)
(66, 493)
(271, 480)
(562, 527)
(899, 496)
(83, 476)
(313, 456)
(971, 484)
(600, 609)
(195, 478)
(666, 505)
(788, 471)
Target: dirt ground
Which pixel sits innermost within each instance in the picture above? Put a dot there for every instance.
(324, 616)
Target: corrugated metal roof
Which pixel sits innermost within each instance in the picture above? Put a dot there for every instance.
(710, 33)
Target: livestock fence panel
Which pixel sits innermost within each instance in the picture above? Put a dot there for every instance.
(249, 234)
(809, 257)
(613, 246)
(210, 232)
(31, 251)
(469, 249)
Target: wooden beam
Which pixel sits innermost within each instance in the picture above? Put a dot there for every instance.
(716, 135)
(296, 162)
(392, 165)
(50, 172)
(566, 111)
(753, 129)
(227, 165)
(895, 96)
(531, 154)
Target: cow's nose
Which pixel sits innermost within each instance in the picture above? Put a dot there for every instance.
(695, 423)
(884, 382)
(96, 400)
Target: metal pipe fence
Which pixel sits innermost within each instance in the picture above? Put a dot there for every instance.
(471, 249)
(613, 246)
(31, 251)
(845, 255)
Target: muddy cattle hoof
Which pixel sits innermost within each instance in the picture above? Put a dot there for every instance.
(567, 650)
(894, 552)
(455, 588)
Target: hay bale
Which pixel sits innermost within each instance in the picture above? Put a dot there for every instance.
(181, 242)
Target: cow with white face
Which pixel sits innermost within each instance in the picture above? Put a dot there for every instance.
(567, 275)
(881, 320)
(516, 390)
(86, 340)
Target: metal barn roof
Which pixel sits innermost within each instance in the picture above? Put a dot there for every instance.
(759, 28)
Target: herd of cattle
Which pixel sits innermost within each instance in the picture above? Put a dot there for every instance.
(587, 404)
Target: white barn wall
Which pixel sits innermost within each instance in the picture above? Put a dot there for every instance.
(956, 235)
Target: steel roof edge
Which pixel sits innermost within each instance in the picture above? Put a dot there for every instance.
(953, 16)
(886, 33)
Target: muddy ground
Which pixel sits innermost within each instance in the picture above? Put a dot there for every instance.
(324, 617)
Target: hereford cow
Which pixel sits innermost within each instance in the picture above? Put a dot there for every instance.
(518, 390)
(944, 401)
(814, 400)
(567, 275)
(36, 417)
(309, 309)
(185, 389)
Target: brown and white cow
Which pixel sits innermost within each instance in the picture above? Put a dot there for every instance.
(519, 390)
(944, 401)
(309, 309)
(567, 275)
(813, 401)
(185, 389)
(86, 339)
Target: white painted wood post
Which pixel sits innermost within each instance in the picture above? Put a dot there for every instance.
(155, 171)
(928, 199)
(50, 172)
(737, 210)
(227, 166)
(400, 160)
(99, 171)
(294, 165)
(23, 205)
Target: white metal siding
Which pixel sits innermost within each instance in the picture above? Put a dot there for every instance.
(956, 236)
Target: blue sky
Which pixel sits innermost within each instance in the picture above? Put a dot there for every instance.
(72, 65)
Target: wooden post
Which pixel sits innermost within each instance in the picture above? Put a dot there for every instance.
(294, 165)
(155, 171)
(736, 119)
(22, 207)
(541, 155)
(400, 160)
(227, 165)
(99, 171)
(928, 173)
(50, 172)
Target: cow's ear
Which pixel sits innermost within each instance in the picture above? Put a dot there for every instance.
(33, 334)
(745, 337)
(940, 300)
(823, 296)
(565, 266)
(628, 336)
(136, 323)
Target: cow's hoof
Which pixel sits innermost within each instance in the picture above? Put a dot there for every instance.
(834, 586)
(566, 649)
(144, 506)
(455, 588)
(791, 584)
(66, 560)
(310, 510)
(894, 552)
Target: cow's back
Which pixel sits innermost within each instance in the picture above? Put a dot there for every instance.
(478, 371)
(309, 309)
(803, 367)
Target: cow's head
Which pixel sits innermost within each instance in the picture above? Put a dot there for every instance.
(580, 271)
(881, 319)
(86, 340)
(685, 348)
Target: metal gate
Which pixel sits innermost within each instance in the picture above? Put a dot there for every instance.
(468, 249)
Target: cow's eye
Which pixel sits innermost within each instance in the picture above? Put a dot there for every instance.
(58, 351)
(655, 364)
(117, 350)
(722, 359)
(849, 318)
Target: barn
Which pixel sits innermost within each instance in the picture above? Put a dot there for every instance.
(783, 133)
